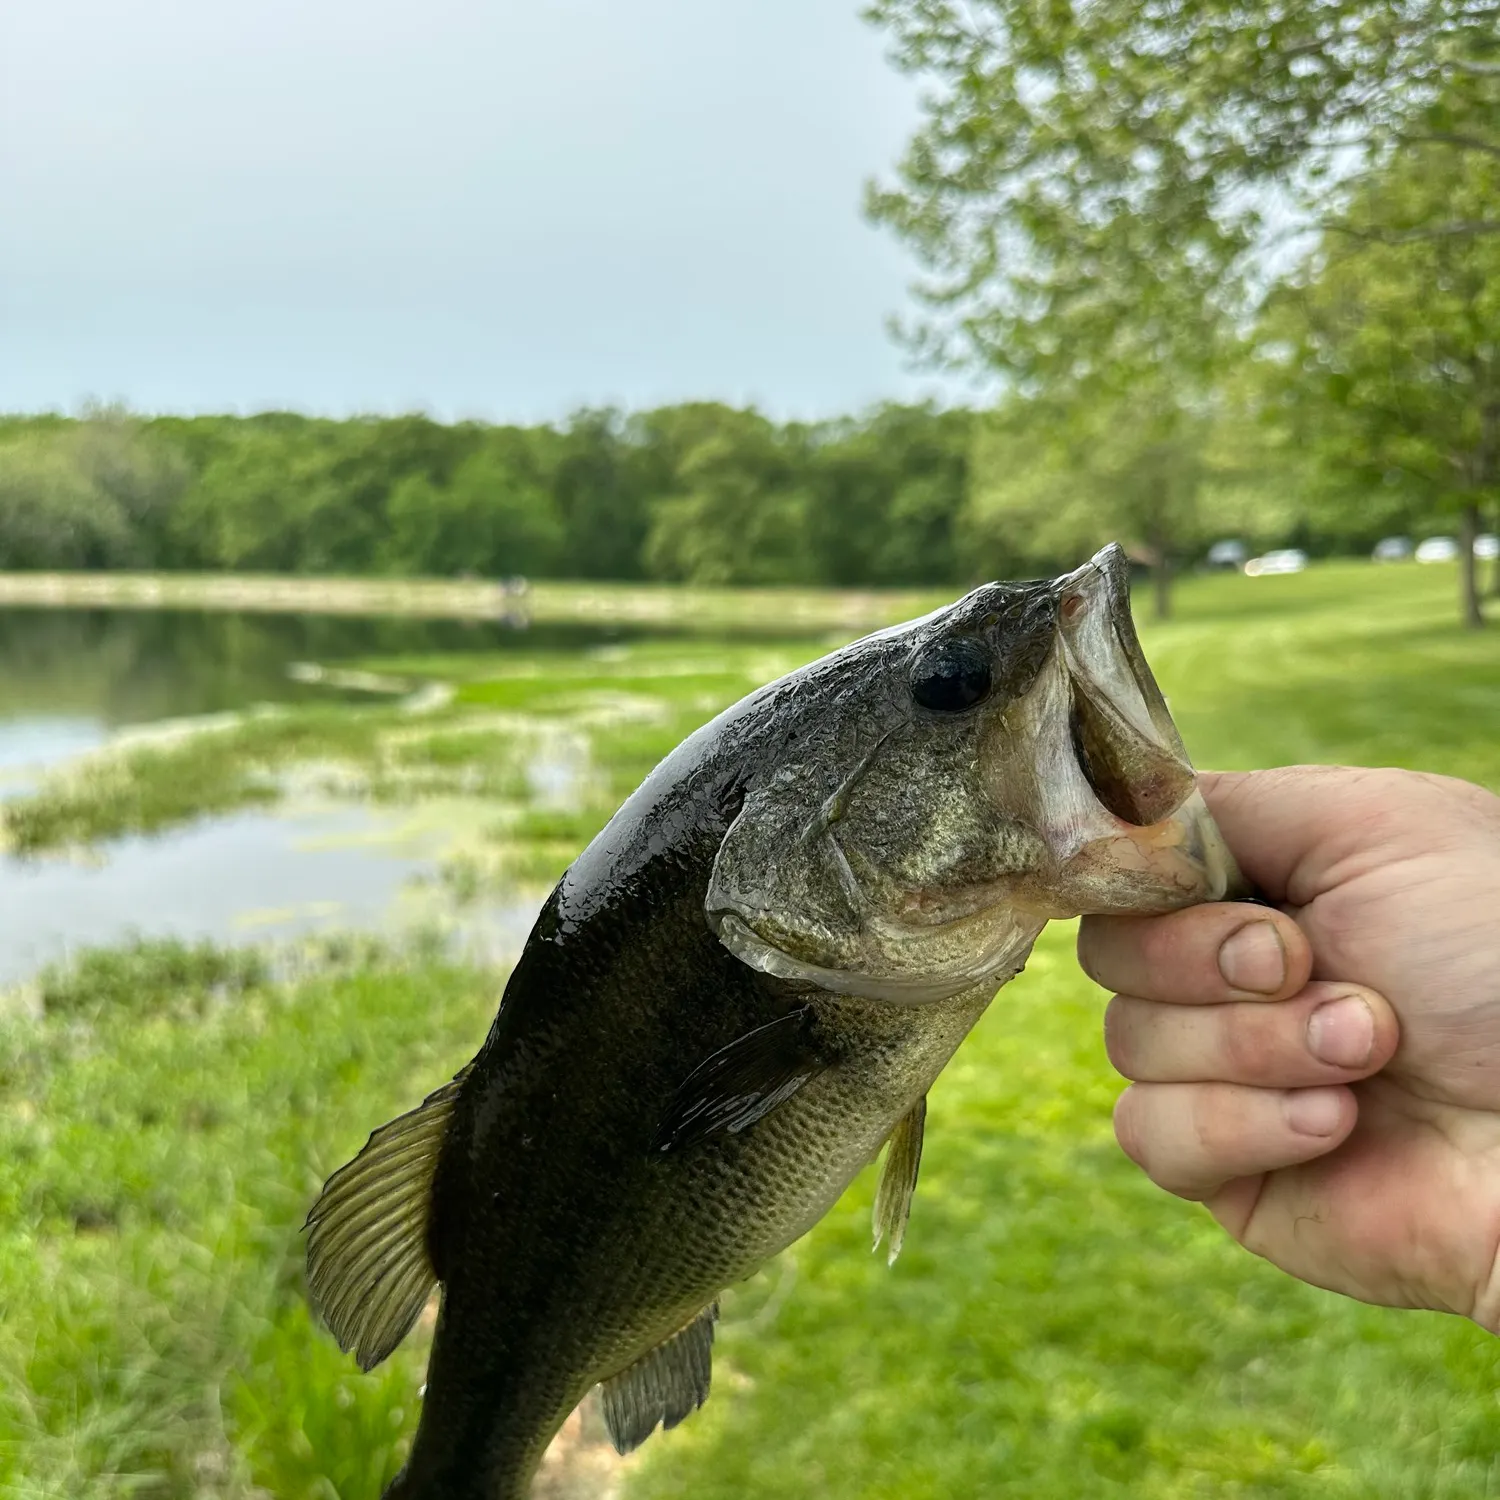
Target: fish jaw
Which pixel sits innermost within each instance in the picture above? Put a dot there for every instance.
(1117, 803)
(989, 947)
(1110, 867)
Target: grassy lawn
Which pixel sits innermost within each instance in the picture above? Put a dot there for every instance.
(1054, 1328)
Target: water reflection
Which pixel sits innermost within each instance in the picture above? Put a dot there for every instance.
(30, 741)
(137, 666)
(69, 680)
(249, 877)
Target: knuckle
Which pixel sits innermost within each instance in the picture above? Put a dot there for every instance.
(1152, 1136)
(1249, 1043)
(1128, 1130)
(1119, 1036)
(1095, 941)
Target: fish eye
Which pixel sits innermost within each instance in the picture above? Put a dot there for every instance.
(953, 675)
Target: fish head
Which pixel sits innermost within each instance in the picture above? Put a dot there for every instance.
(929, 797)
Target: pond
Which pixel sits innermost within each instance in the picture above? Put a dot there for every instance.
(73, 681)
(70, 678)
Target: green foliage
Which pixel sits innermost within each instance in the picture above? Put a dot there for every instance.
(85, 495)
(1102, 196)
(154, 1173)
(735, 512)
(155, 786)
(701, 492)
(1064, 482)
(495, 516)
(1092, 183)
(887, 497)
(49, 514)
(1389, 363)
(150, 977)
(597, 481)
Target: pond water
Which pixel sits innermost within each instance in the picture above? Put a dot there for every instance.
(72, 680)
(69, 678)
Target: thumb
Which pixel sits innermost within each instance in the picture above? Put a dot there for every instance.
(1290, 826)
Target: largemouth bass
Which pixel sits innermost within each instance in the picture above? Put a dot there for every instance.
(740, 991)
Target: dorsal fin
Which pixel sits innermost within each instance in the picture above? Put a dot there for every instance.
(368, 1266)
(666, 1385)
(898, 1179)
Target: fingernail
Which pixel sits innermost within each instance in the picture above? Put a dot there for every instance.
(1314, 1111)
(1252, 959)
(1342, 1032)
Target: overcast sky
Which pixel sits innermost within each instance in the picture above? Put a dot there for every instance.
(473, 207)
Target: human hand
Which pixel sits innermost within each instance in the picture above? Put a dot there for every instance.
(1326, 1077)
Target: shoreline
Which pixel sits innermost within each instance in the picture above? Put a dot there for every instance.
(543, 601)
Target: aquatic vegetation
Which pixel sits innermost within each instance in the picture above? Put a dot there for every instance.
(478, 743)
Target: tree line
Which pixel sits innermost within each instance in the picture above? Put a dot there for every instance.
(701, 493)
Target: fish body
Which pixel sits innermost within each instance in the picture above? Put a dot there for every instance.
(744, 987)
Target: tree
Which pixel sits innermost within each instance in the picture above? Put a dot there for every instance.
(367, 458)
(132, 472)
(52, 515)
(732, 507)
(1399, 335)
(266, 501)
(885, 492)
(600, 495)
(1100, 196)
(1120, 158)
(495, 518)
(1052, 484)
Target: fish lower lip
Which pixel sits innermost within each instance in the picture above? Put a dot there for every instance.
(1176, 862)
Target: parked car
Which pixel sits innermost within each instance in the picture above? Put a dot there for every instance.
(1283, 560)
(1229, 553)
(1392, 549)
(1437, 549)
(1487, 547)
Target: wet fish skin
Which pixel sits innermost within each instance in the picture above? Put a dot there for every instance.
(653, 1115)
(580, 1269)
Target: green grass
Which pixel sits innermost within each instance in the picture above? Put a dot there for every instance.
(1055, 1327)
(154, 1172)
(150, 977)
(1346, 663)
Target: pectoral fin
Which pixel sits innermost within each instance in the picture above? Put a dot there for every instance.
(664, 1386)
(741, 1083)
(898, 1180)
(368, 1267)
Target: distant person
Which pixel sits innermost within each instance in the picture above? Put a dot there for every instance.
(1389, 884)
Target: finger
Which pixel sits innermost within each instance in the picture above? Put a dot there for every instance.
(1204, 955)
(1330, 1033)
(1192, 1138)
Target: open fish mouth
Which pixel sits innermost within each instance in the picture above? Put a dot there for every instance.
(1119, 802)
